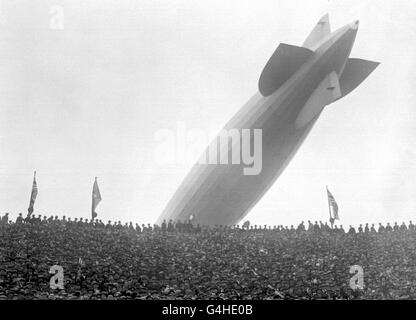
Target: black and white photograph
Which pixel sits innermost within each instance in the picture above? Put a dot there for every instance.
(216, 151)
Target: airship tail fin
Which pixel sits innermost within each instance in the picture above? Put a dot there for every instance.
(327, 92)
(284, 62)
(321, 30)
(355, 72)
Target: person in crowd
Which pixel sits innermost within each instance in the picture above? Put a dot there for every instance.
(301, 227)
(118, 261)
(381, 228)
(164, 225)
(27, 219)
(5, 219)
(170, 226)
(37, 220)
(131, 227)
(19, 219)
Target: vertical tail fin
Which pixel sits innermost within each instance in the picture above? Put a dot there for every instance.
(321, 30)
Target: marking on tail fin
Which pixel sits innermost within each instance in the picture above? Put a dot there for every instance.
(334, 86)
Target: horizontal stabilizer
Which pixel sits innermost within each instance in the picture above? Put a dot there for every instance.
(321, 30)
(355, 71)
(284, 62)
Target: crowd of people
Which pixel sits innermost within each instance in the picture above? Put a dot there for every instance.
(181, 260)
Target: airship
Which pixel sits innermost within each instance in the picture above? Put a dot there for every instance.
(293, 89)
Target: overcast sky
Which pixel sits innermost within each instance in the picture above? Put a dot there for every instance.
(84, 96)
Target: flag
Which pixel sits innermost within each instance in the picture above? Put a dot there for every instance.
(333, 204)
(33, 195)
(96, 198)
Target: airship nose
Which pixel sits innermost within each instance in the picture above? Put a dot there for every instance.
(354, 25)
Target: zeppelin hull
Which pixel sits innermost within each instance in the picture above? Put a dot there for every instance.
(294, 87)
(220, 193)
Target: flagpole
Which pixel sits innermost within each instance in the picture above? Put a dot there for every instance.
(30, 201)
(329, 208)
(92, 201)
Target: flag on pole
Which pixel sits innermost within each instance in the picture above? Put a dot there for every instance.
(96, 198)
(332, 204)
(33, 195)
